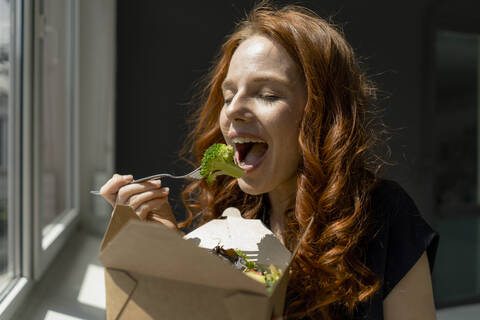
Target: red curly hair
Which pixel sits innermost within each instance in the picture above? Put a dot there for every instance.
(335, 176)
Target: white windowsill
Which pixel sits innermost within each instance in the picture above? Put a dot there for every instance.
(73, 287)
(14, 298)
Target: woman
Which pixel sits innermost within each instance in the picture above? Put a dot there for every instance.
(287, 93)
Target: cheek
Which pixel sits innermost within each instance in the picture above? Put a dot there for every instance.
(291, 151)
(286, 129)
(224, 124)
(288, 148)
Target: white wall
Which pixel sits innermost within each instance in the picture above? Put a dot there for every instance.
(97, 106)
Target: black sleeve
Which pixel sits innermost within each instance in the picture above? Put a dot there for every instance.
(405, 235)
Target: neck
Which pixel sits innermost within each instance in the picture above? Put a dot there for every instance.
(280, 200)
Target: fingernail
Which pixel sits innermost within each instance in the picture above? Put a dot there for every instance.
(166, 189)
(157, 182)
(129, 177)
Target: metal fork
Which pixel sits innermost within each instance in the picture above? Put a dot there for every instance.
(195, 174)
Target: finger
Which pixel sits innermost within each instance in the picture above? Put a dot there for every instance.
(129, 190)
(166, 222)
(158, 205)
(115, 183)
(164, 215)
(110, 199)
(138, 199)
(110, 188)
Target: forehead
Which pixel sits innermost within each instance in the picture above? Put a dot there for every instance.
(261, 55)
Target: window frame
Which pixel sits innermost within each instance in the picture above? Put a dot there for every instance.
(45, 248)
(18, 288)
(30, 259)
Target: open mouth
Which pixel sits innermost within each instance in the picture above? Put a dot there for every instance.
(249, 152)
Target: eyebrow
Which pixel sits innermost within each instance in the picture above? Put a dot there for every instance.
(227, 84)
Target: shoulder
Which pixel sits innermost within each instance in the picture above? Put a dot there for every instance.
(392, 207)
(389, 195)
(402, 234)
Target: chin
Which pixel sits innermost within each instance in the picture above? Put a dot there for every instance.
(250, 189)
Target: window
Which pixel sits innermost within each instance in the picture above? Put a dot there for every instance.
(6, 261)
(457, 166)
(38, 140)
(457, 113)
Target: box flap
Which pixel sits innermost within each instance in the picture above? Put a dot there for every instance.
(152, 249)
(120, 216)
(278, 295)
(119, 287)
(243, 306)
(281, 285)
(300, 240)
(251, 236)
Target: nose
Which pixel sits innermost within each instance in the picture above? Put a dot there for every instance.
(239, 109)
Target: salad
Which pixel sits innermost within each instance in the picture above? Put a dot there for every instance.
(268, 276)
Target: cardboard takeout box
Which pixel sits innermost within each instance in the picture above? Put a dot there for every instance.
(151, 272)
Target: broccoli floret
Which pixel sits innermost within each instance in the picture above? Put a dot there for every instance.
(218, 160)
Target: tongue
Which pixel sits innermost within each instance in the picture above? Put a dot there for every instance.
(255, 153)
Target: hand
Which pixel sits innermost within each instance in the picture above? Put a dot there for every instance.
(148, 199)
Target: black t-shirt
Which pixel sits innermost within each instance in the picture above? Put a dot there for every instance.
(402, 238)
(403, 235)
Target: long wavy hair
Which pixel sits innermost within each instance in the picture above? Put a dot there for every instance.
(336, 174)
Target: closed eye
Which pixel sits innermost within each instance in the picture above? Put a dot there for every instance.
(269, 97)
(228, 95)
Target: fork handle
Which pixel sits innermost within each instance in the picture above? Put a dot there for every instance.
(195, 174)
(154, 177)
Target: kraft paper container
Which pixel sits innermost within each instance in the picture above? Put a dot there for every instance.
(152, 272)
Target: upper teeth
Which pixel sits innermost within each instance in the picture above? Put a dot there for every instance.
(246, 140)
